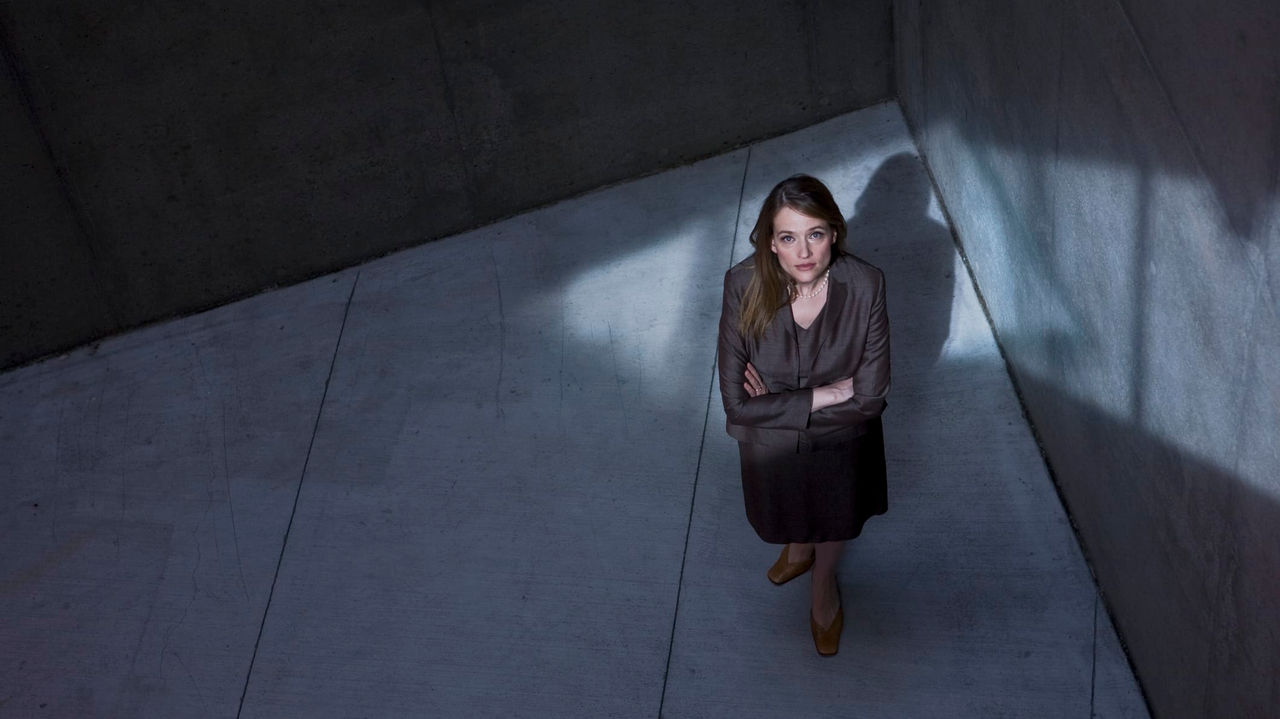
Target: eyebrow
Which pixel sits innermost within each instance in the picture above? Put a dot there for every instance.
(823, 226)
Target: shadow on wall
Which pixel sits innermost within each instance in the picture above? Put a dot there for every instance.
(1116, 192)
(1228, 644)
(1027, 70)
(1041, 148)
(891, 227)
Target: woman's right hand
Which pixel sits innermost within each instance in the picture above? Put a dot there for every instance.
(832, 394)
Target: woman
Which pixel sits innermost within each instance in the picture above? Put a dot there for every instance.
(803, 359)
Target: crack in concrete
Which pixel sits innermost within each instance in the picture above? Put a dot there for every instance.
(306, 463)
(697, 473)
(1093, 667)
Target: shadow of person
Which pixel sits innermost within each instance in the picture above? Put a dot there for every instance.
(891, 229)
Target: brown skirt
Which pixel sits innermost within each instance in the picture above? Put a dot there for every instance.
(822, 496)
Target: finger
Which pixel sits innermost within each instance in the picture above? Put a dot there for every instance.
(760, 383)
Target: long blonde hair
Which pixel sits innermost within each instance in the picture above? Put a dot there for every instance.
(771, 288)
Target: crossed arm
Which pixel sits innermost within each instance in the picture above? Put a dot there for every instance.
(823, 396)
(853, 399)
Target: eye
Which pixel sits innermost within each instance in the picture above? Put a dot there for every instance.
(817, 235)
(786, 238)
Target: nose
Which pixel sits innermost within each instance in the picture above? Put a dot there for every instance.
(805, 250)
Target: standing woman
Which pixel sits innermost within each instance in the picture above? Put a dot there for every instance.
(803, 357)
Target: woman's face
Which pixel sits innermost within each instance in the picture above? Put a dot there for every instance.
(802, 244)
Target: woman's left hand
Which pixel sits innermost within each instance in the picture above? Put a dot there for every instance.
(754, 385)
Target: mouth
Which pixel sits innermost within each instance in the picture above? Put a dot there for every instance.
(806, 266)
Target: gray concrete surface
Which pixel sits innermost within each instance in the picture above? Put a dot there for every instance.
(43, 252)
(206, 152)
(1112, 171)
(147, 487)
(488, 477)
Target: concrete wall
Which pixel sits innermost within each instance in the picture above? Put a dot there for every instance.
(169, 157)
(50, 295)
(1111, 167)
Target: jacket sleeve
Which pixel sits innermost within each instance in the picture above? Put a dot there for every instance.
(870, 376)
(775, 410)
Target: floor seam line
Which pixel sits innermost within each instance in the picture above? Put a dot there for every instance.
(737, 220)
(697, 472)
(1093, 669)
(684, 556)
(306, 463)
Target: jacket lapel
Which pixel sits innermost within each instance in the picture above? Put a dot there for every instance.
(837, 294)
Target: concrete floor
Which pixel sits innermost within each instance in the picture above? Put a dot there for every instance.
(489, 477)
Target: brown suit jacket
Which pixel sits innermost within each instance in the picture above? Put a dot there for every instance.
(854, 343)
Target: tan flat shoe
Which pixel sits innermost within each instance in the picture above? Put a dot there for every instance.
(784, 570)
(827, 640)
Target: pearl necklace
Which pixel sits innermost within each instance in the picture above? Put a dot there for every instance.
(821, 286)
